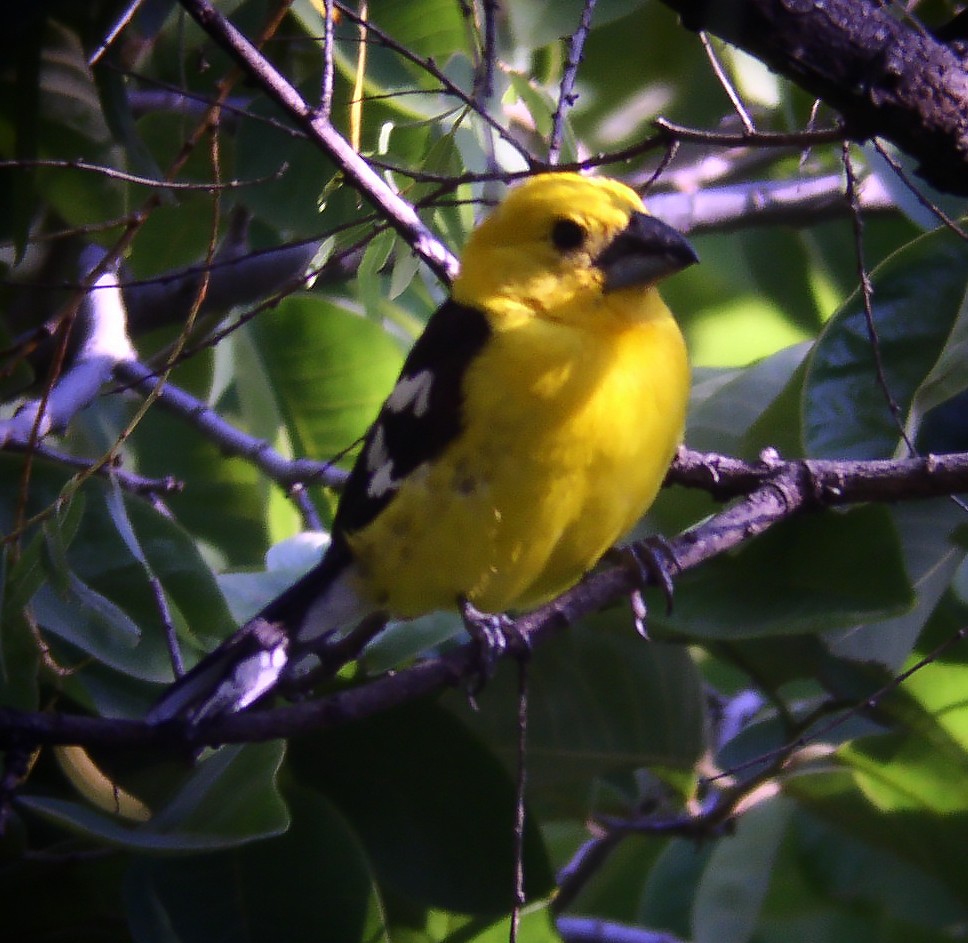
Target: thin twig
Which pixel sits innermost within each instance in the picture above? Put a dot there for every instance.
(867, 295)
(566, 92)
(520, 788)
(326, 83)
(915, 190)
(114, 174)
(129, 481)
(754, 138)
(797, 203)
(127, 15)
(485, 81)
(865, 704)
(732, 94)
(397, 212)
(286, 472)
(431, 68)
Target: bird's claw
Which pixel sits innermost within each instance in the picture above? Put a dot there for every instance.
(493, 635)
(652, 562)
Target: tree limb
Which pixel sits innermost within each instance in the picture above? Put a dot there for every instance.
(102, 323)
(776, 490)
(885, 75)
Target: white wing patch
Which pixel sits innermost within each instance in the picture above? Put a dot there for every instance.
(379, 466)
(412, 393)
(377, 456)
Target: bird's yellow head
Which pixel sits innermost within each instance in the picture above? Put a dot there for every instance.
(563, 247)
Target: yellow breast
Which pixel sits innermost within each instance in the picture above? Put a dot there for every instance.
(568, 434)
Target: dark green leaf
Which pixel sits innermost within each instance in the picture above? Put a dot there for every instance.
(800, 576)
(918, 298)
(311, 883)
(417, 786)
(602, 702)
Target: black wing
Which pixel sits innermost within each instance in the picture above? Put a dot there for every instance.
(421, 416)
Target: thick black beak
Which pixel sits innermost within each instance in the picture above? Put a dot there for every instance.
(644, 252)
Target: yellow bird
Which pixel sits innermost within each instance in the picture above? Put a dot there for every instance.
(530, 428)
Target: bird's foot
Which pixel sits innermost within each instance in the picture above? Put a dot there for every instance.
(652, 562)
(493, 635)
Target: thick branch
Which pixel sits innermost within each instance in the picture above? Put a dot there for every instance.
(886, 76)
(765, 203)
(102, 323)
(779, 490)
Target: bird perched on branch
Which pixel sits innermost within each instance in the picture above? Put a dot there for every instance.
(531, 426)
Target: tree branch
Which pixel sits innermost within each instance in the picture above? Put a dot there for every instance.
(765, 203)
(777, 490)
(102, 323)
(395, 210)
(286, 472)
(887, 77)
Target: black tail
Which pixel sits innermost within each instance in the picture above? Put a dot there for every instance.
(249, 663)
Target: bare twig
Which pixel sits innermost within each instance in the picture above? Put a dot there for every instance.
(397, 212)
(127, 15)
(284, 471)
(326, 83)
(431, 68)
(114, 174)
(885, 74)
(520, 788)
(916, 191)
(731, 93)
(129, 481)
(594, 930)
(566, 92)
(867, 295)
(807, 138)
(766, 202)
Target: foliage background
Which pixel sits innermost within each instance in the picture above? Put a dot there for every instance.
(842, 822)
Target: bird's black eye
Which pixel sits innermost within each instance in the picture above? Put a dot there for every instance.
(566, 234)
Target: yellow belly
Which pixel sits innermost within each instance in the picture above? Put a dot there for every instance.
(568, 436)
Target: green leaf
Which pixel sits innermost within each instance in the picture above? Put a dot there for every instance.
(918, 299)
(932, 554)
(19, 663)
(431, 28)
(602, 702)
(90, 621)
(287, 175)
(331, 369)
(223, 502)
(369, 283)
(71, 125)
(947, 377)
(313, 882)
(726, 403)
(231, 798)
(737, 876)
(546, 21)
(100, 558)
(615, 888)
(800, 576)
(671, 884)
(416, 785)
(932, 842)
(840, 872)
